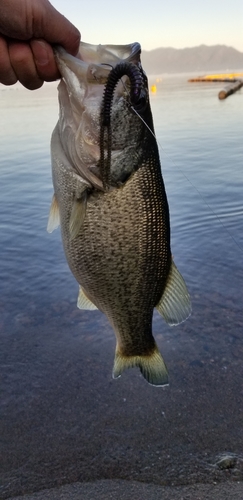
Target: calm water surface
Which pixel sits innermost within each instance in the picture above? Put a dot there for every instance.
(201, 149)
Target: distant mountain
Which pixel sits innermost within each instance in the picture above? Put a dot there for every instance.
(201, 59)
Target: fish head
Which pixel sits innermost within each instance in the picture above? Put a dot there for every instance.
(104, 109)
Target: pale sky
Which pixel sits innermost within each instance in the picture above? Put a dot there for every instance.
(157, 23)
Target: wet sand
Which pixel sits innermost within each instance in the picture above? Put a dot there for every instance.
(125, 490)
(66, 424)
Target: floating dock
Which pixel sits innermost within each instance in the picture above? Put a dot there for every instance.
(221, 77)
(235, 79)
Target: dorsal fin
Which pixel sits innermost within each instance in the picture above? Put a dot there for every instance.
(175, 304)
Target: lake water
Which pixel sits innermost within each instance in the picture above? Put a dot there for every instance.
(53, 354)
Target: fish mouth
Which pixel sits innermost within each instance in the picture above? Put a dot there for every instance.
(81, 92)
(93, 64)
(109, 53)
(89, 56)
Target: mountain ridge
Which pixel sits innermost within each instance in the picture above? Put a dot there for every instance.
(191, 59)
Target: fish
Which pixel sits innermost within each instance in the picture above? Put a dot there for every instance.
(111, 204)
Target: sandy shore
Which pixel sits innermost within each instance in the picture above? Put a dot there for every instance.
(64, 421)
(125, 490)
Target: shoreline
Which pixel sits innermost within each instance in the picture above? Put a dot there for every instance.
(109, 489)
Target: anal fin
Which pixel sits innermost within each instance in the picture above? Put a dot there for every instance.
(175, 304)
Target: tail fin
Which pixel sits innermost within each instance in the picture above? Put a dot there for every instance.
(152, 366)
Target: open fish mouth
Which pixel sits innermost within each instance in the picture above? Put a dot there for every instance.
(85, 75)
(94, 62)
(98, 91)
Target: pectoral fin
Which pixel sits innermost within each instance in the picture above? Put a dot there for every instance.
(78, 215)
(54, 216)
(175, 304)
(84, 302)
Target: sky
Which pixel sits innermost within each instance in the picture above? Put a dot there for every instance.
(157, 23)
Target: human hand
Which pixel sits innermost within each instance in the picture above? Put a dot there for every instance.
(27, 30)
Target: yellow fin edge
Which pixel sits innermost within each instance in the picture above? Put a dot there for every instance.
(152, 366)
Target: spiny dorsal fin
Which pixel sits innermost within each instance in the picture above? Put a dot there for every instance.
(175, 304)
(84, 302)
(77, 215)
(152, 366)
(54, 216)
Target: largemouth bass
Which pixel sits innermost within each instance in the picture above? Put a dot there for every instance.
(110, 200)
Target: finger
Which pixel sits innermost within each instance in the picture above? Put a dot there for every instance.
(25, 20)
(49, 24)
(22, 62)
(44, 60)
(7, 74)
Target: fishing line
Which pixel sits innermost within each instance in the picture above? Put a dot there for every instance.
(189, 181)
(184, 175)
